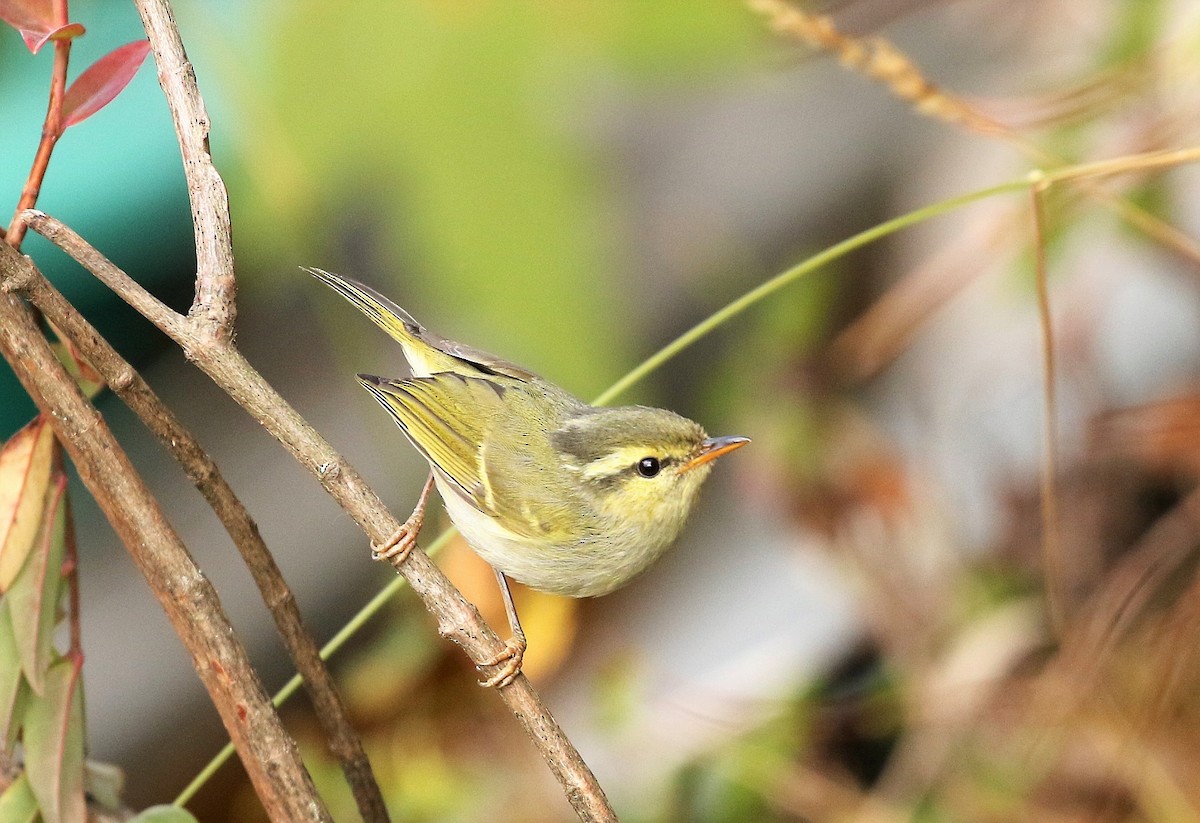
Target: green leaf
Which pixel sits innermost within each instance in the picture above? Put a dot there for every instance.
(54, 745)
(163, 814)
(33, 597)
(25, 462)
(17, 804)
(12, 691)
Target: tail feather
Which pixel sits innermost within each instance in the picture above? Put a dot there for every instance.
(422, 348)
(427, 353)
(387, 315)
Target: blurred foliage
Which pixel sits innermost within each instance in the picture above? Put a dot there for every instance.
(478, 194)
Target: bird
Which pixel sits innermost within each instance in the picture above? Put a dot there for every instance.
(565, 497)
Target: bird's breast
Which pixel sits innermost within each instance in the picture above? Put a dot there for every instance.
(597, 561)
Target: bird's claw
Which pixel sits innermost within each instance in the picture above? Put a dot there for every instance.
(511, 656)
(397, 547)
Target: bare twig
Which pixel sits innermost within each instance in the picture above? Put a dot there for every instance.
(1053, 560)
(269, 755)
(457, 619)
(885, 328)
(52, 129)
(214, 308)
(124, 380)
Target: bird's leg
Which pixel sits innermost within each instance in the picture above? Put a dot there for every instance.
(514, 647)
(396, 548)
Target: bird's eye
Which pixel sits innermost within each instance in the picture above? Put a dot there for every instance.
(648, 466)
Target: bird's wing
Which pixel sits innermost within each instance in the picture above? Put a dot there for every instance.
(525, 485)
(427, 352)
(446, 416)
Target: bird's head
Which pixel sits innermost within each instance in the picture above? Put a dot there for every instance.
(641, 466)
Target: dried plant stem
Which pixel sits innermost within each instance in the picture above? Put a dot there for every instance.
(126, 383)
(1085, 176)
(1053, 559)
(270, 756)
(1128, 590)
(456, 619)
(878, 59)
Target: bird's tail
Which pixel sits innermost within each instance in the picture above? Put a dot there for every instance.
(421, 347)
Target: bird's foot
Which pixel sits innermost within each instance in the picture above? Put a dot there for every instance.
(397, 547)
(512, 656)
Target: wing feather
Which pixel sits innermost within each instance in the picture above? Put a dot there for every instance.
(446, 416)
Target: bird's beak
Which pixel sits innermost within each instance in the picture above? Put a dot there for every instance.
(712, 448)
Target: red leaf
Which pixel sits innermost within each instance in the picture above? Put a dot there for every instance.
(34, 19)
(103, 80)
(28, 16)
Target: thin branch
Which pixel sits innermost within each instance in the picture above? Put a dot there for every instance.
(1053, 560)
(124, 380)
(189, 600)
(215, 307)
(331, 647)
(146, 304)
(457, 619)
(52, 129)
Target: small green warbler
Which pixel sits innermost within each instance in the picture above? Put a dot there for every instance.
(565, 497)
